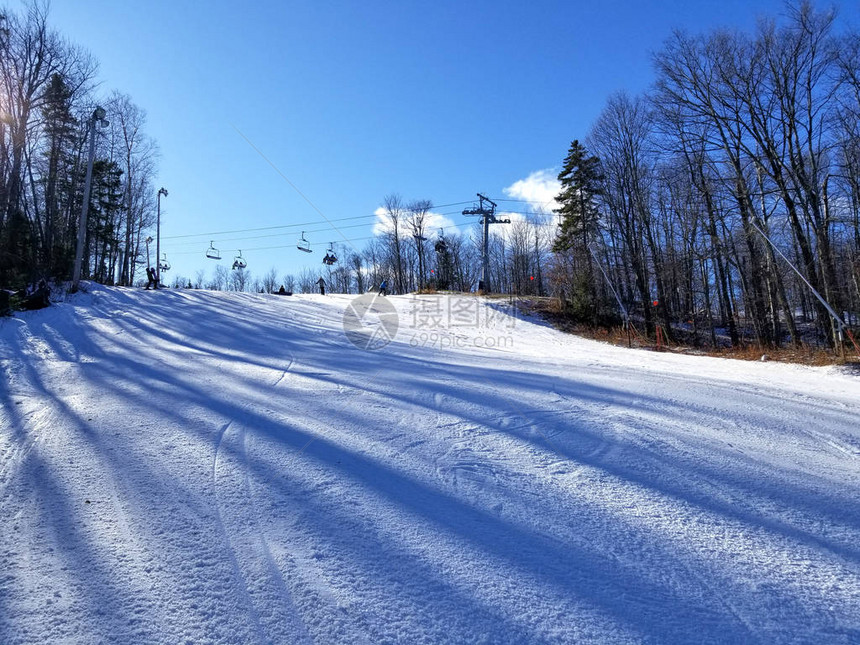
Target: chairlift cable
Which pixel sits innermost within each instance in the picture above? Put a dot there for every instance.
(317, 222)
(311, 231)
(280, 246)
(469, 222)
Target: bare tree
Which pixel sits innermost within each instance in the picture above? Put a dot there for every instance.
(269, 281)
(307, 280)
(220, 278)
(289, 282)
(357, 264)
(239, 279)
(418, 212)
(394, 213)
(137, 152)
(620, 140)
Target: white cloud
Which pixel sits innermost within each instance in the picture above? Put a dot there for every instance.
(504, 230)
(382, 224)
(547, 226)
(436, 221)
(539, 189)
(432, 223)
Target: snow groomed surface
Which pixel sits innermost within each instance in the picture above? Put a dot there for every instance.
(188, 466)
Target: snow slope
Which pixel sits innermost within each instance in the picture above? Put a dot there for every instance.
(202, 467)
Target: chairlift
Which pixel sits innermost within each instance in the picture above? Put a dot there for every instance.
(212, 253)
(164, 265)
(330, 258)
(239, 262)
(304, 245)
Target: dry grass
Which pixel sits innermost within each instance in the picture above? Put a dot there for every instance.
(549, 310)
(803, 355)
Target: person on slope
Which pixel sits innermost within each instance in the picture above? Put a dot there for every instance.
(321, 283)
(150, 277)
(383, 288)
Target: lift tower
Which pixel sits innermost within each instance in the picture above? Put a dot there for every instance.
(488, 216)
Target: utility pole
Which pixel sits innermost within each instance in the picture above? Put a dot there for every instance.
(97, 117)
(161, 191)
(148, 240)
(488, 216)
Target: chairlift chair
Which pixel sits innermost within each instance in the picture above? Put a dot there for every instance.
(164, 265)
(212, 253)
(330, 258)
(239, 262)
(304, 245)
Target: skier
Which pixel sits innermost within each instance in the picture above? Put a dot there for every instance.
(35, 296)
(150, 277)
(321, 283)
(383, 288)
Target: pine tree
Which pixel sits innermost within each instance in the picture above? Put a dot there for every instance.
(105, 223)
(60, 130)
(580, 181)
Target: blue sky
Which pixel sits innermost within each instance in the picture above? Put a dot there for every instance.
(352, 101)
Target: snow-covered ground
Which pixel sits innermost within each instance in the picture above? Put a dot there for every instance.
(188, 466)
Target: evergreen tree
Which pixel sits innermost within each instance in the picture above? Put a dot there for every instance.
(444, 265)
(60, 129)
(105, 220)
(580, 179)
(580, 183)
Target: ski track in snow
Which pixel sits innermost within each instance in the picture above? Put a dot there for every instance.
(184, 467)
(270, 603)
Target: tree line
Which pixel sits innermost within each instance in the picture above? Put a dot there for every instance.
(744, 138)
(47, 97)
